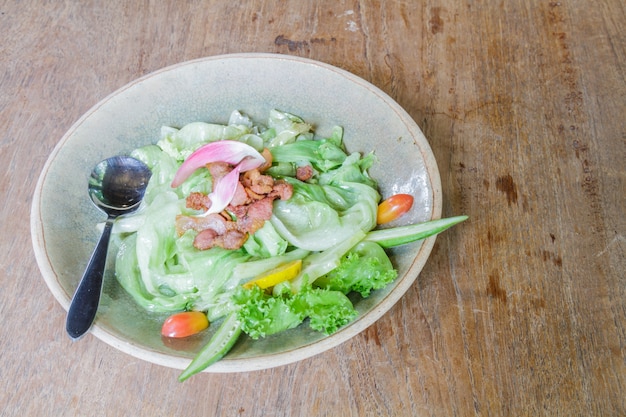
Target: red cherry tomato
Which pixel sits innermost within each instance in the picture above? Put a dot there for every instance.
(184, 324)
(394, 207)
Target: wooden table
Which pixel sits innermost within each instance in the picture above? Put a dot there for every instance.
(519, 311)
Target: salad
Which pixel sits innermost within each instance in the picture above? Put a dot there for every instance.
(257, 229)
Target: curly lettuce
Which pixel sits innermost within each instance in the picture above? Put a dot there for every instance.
(363, 269)
(262, 314)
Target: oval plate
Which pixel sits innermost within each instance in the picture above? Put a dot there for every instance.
(63, 221)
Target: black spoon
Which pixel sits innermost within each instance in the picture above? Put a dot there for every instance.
(116, 187)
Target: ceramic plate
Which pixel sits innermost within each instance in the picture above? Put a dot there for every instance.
(63, 220)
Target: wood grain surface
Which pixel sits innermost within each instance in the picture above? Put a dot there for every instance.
(520, 311)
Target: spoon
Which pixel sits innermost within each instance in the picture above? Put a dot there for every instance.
(116, 187)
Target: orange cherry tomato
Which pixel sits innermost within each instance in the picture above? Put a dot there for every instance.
(393, 207)
(184, 324)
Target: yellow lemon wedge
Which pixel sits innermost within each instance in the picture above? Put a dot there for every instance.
(277, 275)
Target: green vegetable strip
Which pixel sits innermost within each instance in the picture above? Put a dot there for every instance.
(397, 236)
(221, 342)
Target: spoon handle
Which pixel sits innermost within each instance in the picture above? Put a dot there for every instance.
(85, 302)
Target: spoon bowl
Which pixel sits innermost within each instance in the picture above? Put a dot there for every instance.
(116, 186)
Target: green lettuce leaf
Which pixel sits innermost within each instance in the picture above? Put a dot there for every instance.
(262, 314)
(180, 143)
(364, 268)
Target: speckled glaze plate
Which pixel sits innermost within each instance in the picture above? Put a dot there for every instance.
(63, 220)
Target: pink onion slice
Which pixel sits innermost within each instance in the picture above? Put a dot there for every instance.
(243, 156)
(224, 191)
(229, 151)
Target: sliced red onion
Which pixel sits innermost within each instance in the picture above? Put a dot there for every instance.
(224, 191)
(229, 151)
(243, 156)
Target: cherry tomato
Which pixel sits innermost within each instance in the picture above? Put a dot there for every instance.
(184, 324)
(394, 207)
